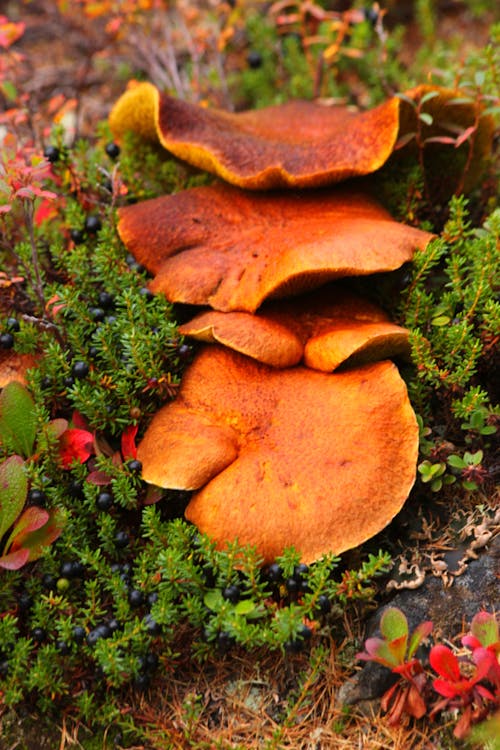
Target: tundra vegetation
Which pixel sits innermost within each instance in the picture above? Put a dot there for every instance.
(123, 623)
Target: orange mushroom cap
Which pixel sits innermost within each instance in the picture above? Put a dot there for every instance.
(230, 249)
(323, 461)
(325, 327)
(298, 143)
(13, 366)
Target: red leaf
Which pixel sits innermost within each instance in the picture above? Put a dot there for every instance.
(465, 135)
(128, 446)
(30, 520)
(445, 663)
(46, 210)
(99, 478)
(39, 536)
(78, 420)
(15, 560)
(75, 445)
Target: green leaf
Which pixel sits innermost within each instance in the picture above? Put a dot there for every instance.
(426, 117)
(455, 461)
(9, 90)
(430, 95)
(393, 624)
(485, 627)
(244, 607)
(17, 418)
(13, 491)
(419, 634)
(213, 600)
(441, 320)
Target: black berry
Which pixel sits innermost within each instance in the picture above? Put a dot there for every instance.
(75, 488)
(49, 582)
(97, 314)
(62, 647)
(254, 59)
(151, 661)
(225, 641)
(141, 681)
(151, 625)
(135, 598)
(52, 154)
(12, 324)
(112, 149)
(146, 293)
(134, 466)
(121, 539)
(106, 300)
(133, 264)
(38, 635)
(25, 602)
(324, 604)
(104, 501)
(6, 341)
(93, 224)
(274, 573)
(152, 597)
(77, 236)
(79, 634)
(184, 352)
(37, 497)
(101, 631)
(232, 593)
(300, 570)
(80, 369)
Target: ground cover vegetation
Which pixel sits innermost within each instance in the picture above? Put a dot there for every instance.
(120, 624)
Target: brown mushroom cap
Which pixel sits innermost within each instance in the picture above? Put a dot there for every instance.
(326, 327)
(301, 143)
(324, 461)
(297, 144)
(13, 366)
(229, 249)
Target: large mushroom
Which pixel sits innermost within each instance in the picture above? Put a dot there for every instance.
(299, 143)
(325, 328)
(285, 457)
(230, 249)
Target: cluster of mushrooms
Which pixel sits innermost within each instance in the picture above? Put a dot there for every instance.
(292, 425)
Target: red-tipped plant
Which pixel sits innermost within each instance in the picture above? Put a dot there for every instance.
(396, 650)
(459, 683)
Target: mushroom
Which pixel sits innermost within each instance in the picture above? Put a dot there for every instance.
(14, 366)
(230, 249)
(300, 143)
(326, 327)
(285, 457)
(296, 144)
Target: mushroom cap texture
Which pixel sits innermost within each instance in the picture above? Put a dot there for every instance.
(326, 327)
(319, 461)
(301, 143)
(230, 249)
(13, 366)
(295, 144)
